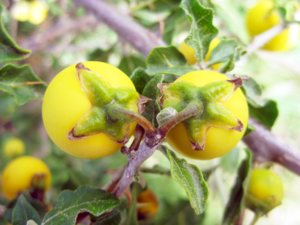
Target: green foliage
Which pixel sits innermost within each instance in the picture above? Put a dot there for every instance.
(167, 60)
(265, 111)
(129, 63)
(140, 79)
(109, 218)
(190, 178)
(21, 83)
(267, 114)
(9, 50)
(151, 91)
(236, 200)
(202, 29)
(23, 212)
(223, 52)
(84, 199)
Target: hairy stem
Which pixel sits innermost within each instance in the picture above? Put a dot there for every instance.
(142, 121)
(151, 142)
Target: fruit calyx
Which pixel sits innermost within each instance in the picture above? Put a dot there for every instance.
(210, 99)
(112, 108)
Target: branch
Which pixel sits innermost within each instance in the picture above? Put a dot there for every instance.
(266, 147)
(128, 28)
(139, 37)
(263, 38)
(63, 26)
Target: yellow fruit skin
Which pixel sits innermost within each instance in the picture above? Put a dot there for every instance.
(189, 53)
(34, 11)
(38, 12)
(13, 147)
(262, 17)
(18, 174)
(219, 141)
(265, 185)
(65, 103)
(20, 11)
(147, 204)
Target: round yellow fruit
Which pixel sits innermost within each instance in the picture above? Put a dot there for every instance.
(20, 11)
(38, 12)
(65, 103)
(265, 190)
(189, 52)
(17, 175)
(33, 11)
(219, 141)
(13, 147)
(264, 16)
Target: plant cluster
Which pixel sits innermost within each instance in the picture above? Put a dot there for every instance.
(184, 99)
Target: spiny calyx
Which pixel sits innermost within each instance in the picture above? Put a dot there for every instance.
(212, 96)
(104, 116)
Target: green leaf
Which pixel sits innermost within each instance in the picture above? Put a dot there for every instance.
(23, 212)
(132, 218)
(236, 200)
(9, 50)
(253, 92)
(16, 81)
(229, 160)
(267, 114)
(152, 91)
(190, 178)
(37, 205)
(140, 79)
(99, 55)
(171, 24)
(129, 63)
(84, 199)
(167, 60)
(202, 29)
(224, 52)
(110, 218)
(231, 63)
(249, 129)
(181, 214)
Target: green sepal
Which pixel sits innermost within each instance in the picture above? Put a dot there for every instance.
(105, 116)
(256, 205)
(211, 98)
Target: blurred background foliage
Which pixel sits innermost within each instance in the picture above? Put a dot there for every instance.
(277, 73)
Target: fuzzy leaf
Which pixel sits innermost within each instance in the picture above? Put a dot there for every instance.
(152, 91)
(129, 63)
(267, 114)
(249, 129)
(190, 178)
(236, 201)
(110, 218)
(140, 79)
(23, 212)
(202, 29)
(16, 81)
(253, 92)
(84, 199)
(9, 50)
(167, 60)
(224, 52)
